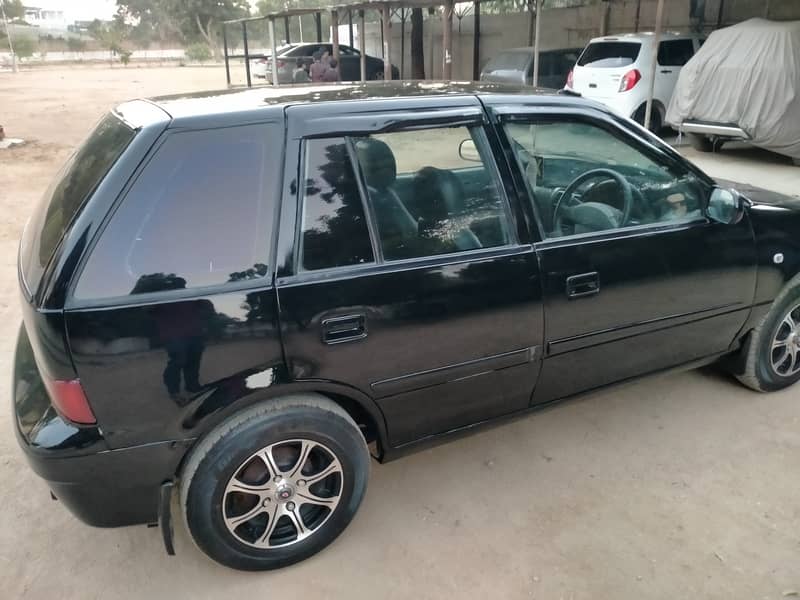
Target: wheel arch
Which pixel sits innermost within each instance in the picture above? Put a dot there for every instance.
(361, 408)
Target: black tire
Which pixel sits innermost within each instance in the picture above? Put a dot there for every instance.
(227, 450)
(701, 143)
(377, 75)
(758, 372)
(656, 120)
(796, 161)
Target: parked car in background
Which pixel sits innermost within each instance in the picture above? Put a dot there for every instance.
(616, 70)
(743, 84)
(516, 66)
(240, 293)
(349, 62)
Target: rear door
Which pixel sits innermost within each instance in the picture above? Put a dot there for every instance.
(672, 55)
(402, 278)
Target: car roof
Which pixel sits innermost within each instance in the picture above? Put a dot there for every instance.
(230, 101)
(643, 36)
(530, 49)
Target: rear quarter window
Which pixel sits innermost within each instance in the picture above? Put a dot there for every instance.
(68, 192)
(609, 55)
(198, 215)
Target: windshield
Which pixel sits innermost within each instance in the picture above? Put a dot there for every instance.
(609, 55)
(67, 193)
(511, 61)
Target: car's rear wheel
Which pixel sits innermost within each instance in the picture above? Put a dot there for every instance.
(656, 121)
(276, 483)
(772, 359)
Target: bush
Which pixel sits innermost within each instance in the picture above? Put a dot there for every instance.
(197, 52)
(24, 47)
(124, 56)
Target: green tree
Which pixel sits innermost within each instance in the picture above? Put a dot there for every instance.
(194, 19)
(197, 52)
(24, 46)
(76, 45)
(111, 35)
(14, 9)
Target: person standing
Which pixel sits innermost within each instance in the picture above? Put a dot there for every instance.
(332, 73)
(300, 75)
(317, 69)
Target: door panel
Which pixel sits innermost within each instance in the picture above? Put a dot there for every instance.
(664, 298)
(459, 318)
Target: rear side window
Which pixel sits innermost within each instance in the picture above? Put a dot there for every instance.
(675, 53)
(334, 231)
(508, 61)
(198, 215)
(69, 190)
(609, 55)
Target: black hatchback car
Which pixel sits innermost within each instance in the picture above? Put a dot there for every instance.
(244, 294)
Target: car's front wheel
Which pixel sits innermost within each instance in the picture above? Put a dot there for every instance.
(772, 352)
(276, 483)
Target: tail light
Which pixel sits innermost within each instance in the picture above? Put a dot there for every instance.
(571, 78)
(629, 80)
(70, 401)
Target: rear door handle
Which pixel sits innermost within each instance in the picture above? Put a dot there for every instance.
(345, 328)
(585, 284)
(665, 71)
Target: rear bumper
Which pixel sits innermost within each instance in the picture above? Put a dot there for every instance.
(102, 487)
(111, 488)
(714, 129)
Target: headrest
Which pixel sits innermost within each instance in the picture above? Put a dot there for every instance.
(377, 163)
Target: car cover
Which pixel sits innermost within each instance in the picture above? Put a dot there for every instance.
(746, 75)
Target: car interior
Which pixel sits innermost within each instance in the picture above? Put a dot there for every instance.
(432, 210)
(587, 188)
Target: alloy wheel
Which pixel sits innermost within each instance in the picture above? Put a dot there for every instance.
(785, 348)
(283, 493)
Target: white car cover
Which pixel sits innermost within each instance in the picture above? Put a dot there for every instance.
(747, 75)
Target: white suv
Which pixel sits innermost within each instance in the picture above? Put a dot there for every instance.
(615, 70)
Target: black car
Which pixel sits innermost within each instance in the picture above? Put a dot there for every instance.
(247, 293)
(349, 62)
(516, 66)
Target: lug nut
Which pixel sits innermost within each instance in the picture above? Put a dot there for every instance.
(267, 501)
(290, 505)
(301, 483)
(276, 479)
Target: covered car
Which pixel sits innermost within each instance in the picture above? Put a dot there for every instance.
(744, 83)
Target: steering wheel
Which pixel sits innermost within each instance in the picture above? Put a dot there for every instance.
(572, 213)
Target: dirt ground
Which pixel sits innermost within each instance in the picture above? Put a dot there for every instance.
(677, 486)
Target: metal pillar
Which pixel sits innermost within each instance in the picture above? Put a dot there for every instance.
(654, 64)
(476, 40)
(335, 40)
(274, 48)
(318, 21)
(447, 41)
(224, 45)
(402, 42)
(286, 30)
(387, 43)
(350, 29)
(720, 13)
(638, 16)
(362, 44)
(246, 54)
(536, 43)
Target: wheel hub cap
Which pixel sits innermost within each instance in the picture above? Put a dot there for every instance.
(282, 494)
(785, 349)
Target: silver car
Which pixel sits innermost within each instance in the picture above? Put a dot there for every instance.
(516, 66)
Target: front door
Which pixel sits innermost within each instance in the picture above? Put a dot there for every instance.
(636, 278)
(407, 277)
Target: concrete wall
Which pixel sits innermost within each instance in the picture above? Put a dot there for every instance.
(561, 28)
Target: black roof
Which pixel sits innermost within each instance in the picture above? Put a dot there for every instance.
(245, 100)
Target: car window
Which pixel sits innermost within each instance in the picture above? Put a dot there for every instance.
(508, 61)
(609, 55)
(197, 216)
(584, 179)
(675, 53)
(432, 192)
(334, 229)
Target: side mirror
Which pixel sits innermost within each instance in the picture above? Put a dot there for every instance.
(725, 206)
(468, 151)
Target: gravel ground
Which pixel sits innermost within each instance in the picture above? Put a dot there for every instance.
(677, 486)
